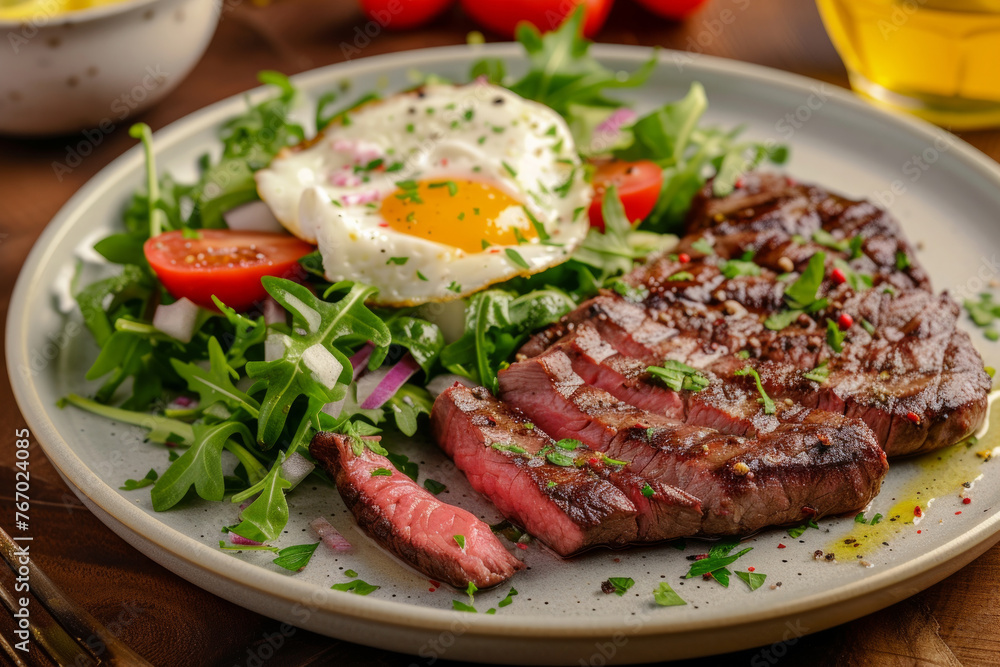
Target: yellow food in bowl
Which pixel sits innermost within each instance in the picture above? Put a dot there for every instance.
(26, 9)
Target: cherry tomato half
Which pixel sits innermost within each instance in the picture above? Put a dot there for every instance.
(638, 185)
(226, 263)
(403, 14)
(502, 17)
(672, 9)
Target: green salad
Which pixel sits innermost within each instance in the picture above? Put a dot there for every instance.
(241, 382)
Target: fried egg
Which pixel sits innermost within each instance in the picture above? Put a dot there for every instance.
(435, 194)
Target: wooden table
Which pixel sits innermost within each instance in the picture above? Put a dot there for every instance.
(170, 621)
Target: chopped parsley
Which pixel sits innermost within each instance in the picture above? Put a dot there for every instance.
(648, 491)
(570, 444)
(451, 185)
(510, 170)
(458, 605)
(826, 239)
(509, 599)
(743, 354)
(357, 587)
(983, 313)
(619, 585)
(563, 190)
(769, 407)
(703, 246)
(902, 261)
(818, 374)
(296, 557)
(800, 296)
(514, 449)
(665, 596)
(133, 484)
(752, 579)
(460, 541)
(455, 287)
(857, 281)
(797, 531)
(876, 519)
(515, 257)
(421, 276)
(682, 275)
(719, 558)
(350, 573)
(868, 326)
(560, 459)
(678, 376)
(398, 261)
(834, 336)
(381, 472)
(434, 486)
(732, 268)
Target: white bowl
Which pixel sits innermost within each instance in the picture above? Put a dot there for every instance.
(91, 69)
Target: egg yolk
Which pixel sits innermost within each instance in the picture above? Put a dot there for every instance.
(459, 213)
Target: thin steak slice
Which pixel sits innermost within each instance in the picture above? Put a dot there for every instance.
(568, 498)
(813, 463)
(410, 522)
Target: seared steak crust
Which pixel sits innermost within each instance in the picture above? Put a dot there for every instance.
(569, 506)
(410, 522)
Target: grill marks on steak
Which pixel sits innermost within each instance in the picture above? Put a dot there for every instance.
(410, 522)
(810, 463)
(917, 364)
(569, 507)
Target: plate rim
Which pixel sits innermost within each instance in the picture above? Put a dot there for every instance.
(280, 587)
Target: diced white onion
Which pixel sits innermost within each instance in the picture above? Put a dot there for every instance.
(324, 366)
(274, 312)
(177, 320)
(296, 468)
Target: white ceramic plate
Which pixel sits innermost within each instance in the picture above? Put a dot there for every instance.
(946, 194)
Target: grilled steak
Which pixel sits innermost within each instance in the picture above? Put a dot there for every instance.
(409, 521)
(810, 463)
(904, 369)
(569, 499)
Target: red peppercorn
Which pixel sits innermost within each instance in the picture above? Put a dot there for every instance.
(683, 258)
(845, 321)
(966, 501)
(739, 182)
(751, 568)
(594, 460)
(701, 557)
(917, 511)
(838, 276)
(782, 546)
(913, 417)
(522, 546)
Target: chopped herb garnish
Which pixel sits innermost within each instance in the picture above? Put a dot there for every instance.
(682, 275)
(550, 485)
(876, 519)
(451, 185)
(857, 281)
(620, 585)
(434, 486)
(769, 407)
(411, 216)
(834, 336)
(460, 541)
(648, 491)
(797, 531)
(455, 287)
(515, 257)
(801, 294)
(133, 484)
(825, 238)
(860, 518)
(719, 558)
(868, 326)
(357, 587)
(381, 472)
(738, 267)
(818, 374)
(614, 462)
(563, 190)
(398, 261)
(296, 557)
(509, 599)
(752, 579)
(679, 376)
(902, 260)
(570, 444)
(350, 573)
(510, 170)
(665, 596)
(421, 276)
(703, 246)
(743, 354)
(458, 605)
(410, 128)
(560, 459)
(516, 449)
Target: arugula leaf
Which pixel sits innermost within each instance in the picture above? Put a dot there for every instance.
(561, 70)
(752, 579)
(403, 464)
(665, 596)
(215, 384)
(663, 134)
(265, 518)
(719, 558)
(296, 557)
(200, 466)
(406, 406)
(132, 484)
(423, 339)
(324, 325)
(105, 296)
(246, 334)
(798, 530)
(679, 376)
(434, 486)
(769, 407)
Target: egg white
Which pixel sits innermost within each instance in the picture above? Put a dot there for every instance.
(324, 193)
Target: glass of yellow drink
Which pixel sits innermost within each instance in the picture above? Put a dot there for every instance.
(937, 59)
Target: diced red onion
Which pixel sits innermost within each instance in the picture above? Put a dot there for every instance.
(359, 361)
(274, 312)
(242, 541)
(365, 197)
(253, 217)
(184, 401)
(329, 535)
(345, 178)
(613, 123)
(444, 382)
(296, 468)
(360, 150)
(177, 319)
(390, 384)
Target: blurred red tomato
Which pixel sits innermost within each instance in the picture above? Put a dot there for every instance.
(672, 9)
(403, 14)
(502, 16)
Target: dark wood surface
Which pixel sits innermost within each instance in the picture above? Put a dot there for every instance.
(170, 621)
